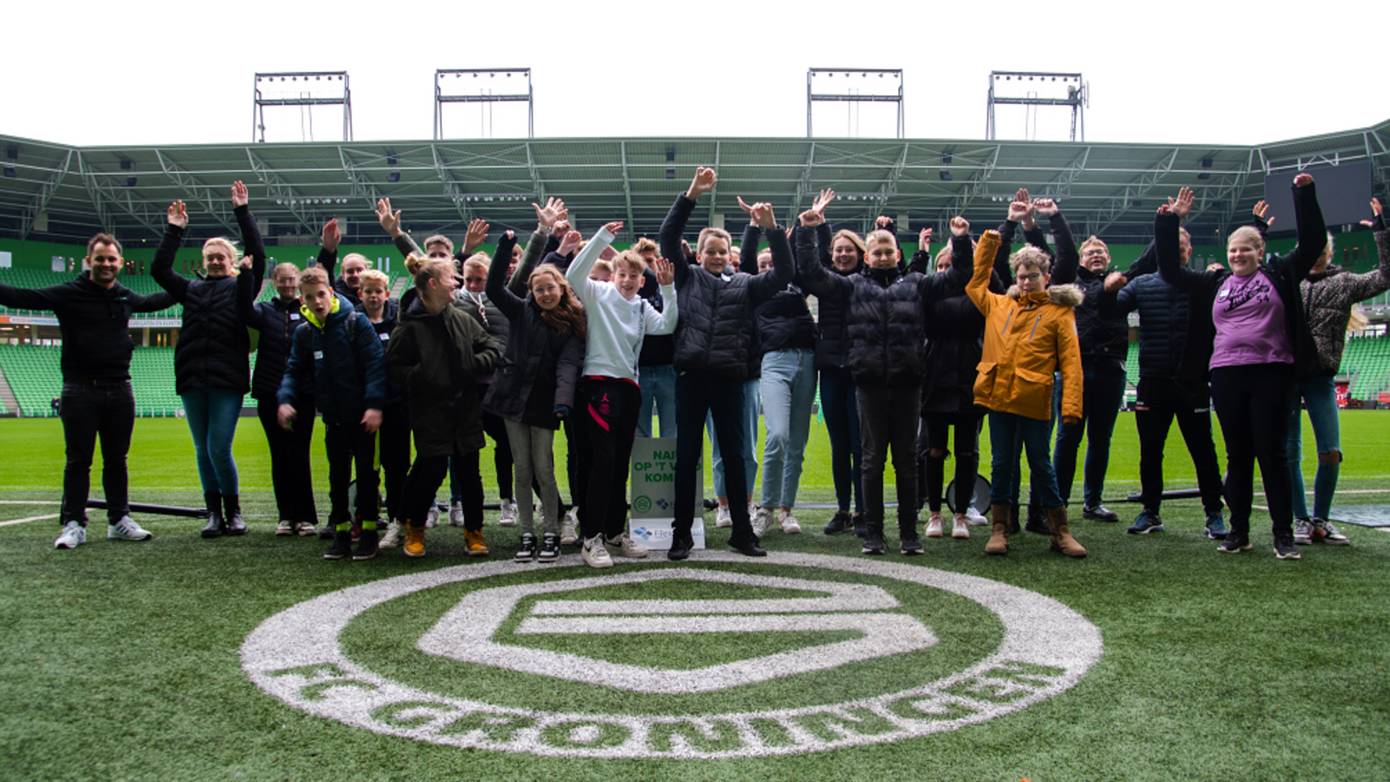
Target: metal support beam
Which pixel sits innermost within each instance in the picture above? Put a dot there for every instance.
(104, 195)
(40, 202)
(1060, 186)
(451, 187)
(289, 199)
(714, 194)
(627, 190)
(536, 184)
(200, 192)
(803, 184)
(889, 188)
(1134, 192)
(360, 185)
(977, 186)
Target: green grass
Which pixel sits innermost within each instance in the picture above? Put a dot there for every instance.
(121, 661)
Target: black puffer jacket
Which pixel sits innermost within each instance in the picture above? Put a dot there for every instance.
(832, 315)
(713, 334)
(341, 361)
(1165, 318)
(276, 321)
(213, 344)
(955, 338)
(1103, 332)
(783, 322)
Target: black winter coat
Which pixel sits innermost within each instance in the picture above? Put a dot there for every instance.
(276, 320)
(1102, 331)
(832, 315)
(1165, 320)
(783, 321)
(341, 363)
(716, 313)
(436, 359)
(955, 332)
(213, 344)
(542, 365)
(94, 322)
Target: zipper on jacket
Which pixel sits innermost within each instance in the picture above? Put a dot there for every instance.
(1035, 326)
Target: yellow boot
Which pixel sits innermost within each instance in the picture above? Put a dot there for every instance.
(1061, 537)
(999, 530)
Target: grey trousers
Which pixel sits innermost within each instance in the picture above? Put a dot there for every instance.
(533, 458)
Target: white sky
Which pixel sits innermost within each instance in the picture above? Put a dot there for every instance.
(140, 72)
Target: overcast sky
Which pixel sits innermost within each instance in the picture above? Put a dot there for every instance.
(140, 72)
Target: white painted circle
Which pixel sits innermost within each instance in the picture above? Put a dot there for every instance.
(296, 656)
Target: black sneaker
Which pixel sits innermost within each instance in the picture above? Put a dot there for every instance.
(873, 543)
(1100, 513)
(526, 552)
(840, 522)
(550, 548)
(1037, 521)
(858, 521)
(342, 546)
(911, 547)
(748, 547)
(366, 545)
(681, 544)
(1234, 544)
(1284, 547)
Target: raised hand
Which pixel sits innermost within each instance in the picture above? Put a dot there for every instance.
(1166, 209)
(476, 234)
(762, 216)
(703, 182)
(608, 253)
(822, 201)
(569, 242)
(562, 226)
(178, 214)
(613, 227)
(664, 271)
(547, 216)
(1183, 204)
(810, 218)
(746, 207)
(1376, 210)
(240, 195)
(882, 222)
(245, 262)
(331, 236)
(1303, 179)
(390, 221)
(1019, 210)
(1046, 207)
(924, 238)
(960, 226)
(1260, 211)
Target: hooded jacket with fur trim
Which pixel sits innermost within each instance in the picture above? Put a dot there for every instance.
(1028, 337)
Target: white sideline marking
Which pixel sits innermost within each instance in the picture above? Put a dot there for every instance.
(31, 502)
(29, 519)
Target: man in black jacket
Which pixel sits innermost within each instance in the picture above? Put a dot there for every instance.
(94, 318)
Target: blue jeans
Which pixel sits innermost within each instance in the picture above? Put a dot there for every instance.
(1103, 390)
(788, 388)
(1006, 433)
(840, 407)
(749, 419)
(212, 415)
(658, 383)
(1320, 393)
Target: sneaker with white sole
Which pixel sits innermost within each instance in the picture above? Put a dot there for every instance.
(788, 522)
(1284, 547)
(432, 518)
(284, 529)
(569, 528)
(550, 548)
(761, 520)
(975, 518)
(624, 546)
(455, 514)
(934, 526)
(508, 515)
(1302, 531)
(127, 529)
(527, 549)
(722, 518)
(305, 529)
(392, 537)
(595, 553)
(73, 535)
(1324, 532)
(960, 527)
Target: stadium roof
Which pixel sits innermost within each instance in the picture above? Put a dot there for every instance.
(65, 193)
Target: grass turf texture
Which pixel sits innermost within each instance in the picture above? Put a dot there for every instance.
(121, 660)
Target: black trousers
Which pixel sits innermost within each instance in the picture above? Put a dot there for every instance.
(842, 425)
(1102, 392)
(608, 415)
(935, 430)
(394, 437)
(348, 444)
(699, 394)
(1160, 400)
(888, 420)
(290, 473)
(1252, 403)
(88, 411)
(420, 485)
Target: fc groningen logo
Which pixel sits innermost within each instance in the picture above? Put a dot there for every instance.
(498, 638)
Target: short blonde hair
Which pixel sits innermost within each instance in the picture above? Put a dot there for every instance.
(232, 252)
(645, 245)
(631, 260)
(412, 263)
(314, 275)
(367, 262)
(1090, 240)
(603, 266)
(430, 269)
(1030, 256)
(1249, 233)
(851, 237)
(281, 268)
(376, 278)
(438, 239)
(880, 236)
(717, 233)
(475, 262)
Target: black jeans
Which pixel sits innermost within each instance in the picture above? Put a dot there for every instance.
(608, 415)
(888, 419)
(1252, 403)
(1103, 389)
(1160, 401)
(841, 413)
(394, 436)
(420, 485)
(347, 444)
(932, 437)
(290, 473)
(721, 397)
(89, 410)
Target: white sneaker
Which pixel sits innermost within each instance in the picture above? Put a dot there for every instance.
(74, 535)
(960, 527)
(284, 529)
(455, 515)
(127, 529)
(431, 518)
(790, 526)
(508, 517)
(305, 529)
(626, 547)
(934, 526)
(722, 517)
(974, 518)
(760, 521)
(392, 538)
(595, 553)
(569, 528)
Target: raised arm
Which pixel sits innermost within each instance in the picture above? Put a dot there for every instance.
(330, 237)
(1170, 266)
(508, 302)
(251, 277)
(162, 269)
(663, 321)
(673, 226)
(1066, 260)
(548, 219)
(390, 222)
(921, 262)
(578, 271)
(1312, 232)
(978, 286)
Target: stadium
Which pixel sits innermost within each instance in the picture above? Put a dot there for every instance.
(252, 658)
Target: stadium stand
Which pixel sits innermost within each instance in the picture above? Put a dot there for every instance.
(1366, 363)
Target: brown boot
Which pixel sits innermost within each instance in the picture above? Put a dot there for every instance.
(999, 530)
(1013, 528)
(1061, 537)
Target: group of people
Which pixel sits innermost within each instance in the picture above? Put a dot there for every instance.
(911, 355)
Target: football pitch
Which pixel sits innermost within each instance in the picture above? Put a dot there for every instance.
(253, 658)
